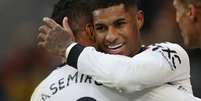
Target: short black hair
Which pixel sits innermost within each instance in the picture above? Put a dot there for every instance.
(77, 11)
(98, 4)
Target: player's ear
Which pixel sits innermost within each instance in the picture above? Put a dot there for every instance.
(192, 12)
(140, 19)
(90, 31)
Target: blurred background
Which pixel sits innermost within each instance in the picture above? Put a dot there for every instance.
(23, 65)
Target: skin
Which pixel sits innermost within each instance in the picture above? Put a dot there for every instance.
(189, 20)
(117, 30)
(122, 28)
(56, 38)
(53, 36)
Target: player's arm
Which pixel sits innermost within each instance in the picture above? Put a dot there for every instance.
(116, 71)
(150, 68)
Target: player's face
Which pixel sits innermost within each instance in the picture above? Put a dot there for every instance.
(117, 30)
(185, 23)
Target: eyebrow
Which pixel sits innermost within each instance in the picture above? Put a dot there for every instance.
(117, 20)
(98, 24)
(120, 19)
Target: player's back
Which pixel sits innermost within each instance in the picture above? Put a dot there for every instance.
(66, 84)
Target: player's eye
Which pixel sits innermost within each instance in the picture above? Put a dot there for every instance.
(120, 23)
(100, 28)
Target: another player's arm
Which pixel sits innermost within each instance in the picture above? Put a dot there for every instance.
(115, 71)
(147, 69)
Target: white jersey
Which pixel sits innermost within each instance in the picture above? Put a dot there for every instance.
(164, 93)
(157, 65)
(160, 73)
(66, 84)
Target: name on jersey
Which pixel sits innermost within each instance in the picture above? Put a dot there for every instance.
(64, 82)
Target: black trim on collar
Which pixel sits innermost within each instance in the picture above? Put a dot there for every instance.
(61, 65)
(143, 48)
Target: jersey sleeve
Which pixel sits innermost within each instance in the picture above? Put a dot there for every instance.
(159, 64)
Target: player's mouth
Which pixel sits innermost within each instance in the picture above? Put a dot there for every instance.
(115, 48)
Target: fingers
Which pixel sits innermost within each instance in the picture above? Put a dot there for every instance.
(44, 29)
(50, 22)
(42, 36)
(42, 44)
(41, 40)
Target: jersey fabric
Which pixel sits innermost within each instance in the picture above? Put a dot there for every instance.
(165, 92)
(159, 73)
(66, 84)
(158, 64)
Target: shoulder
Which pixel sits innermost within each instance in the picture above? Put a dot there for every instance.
(165, 46)
(174, 53)
(169, 48)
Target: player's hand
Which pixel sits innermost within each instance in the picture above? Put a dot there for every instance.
(54, 37)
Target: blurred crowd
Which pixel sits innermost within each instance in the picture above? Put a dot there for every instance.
(23, 65)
